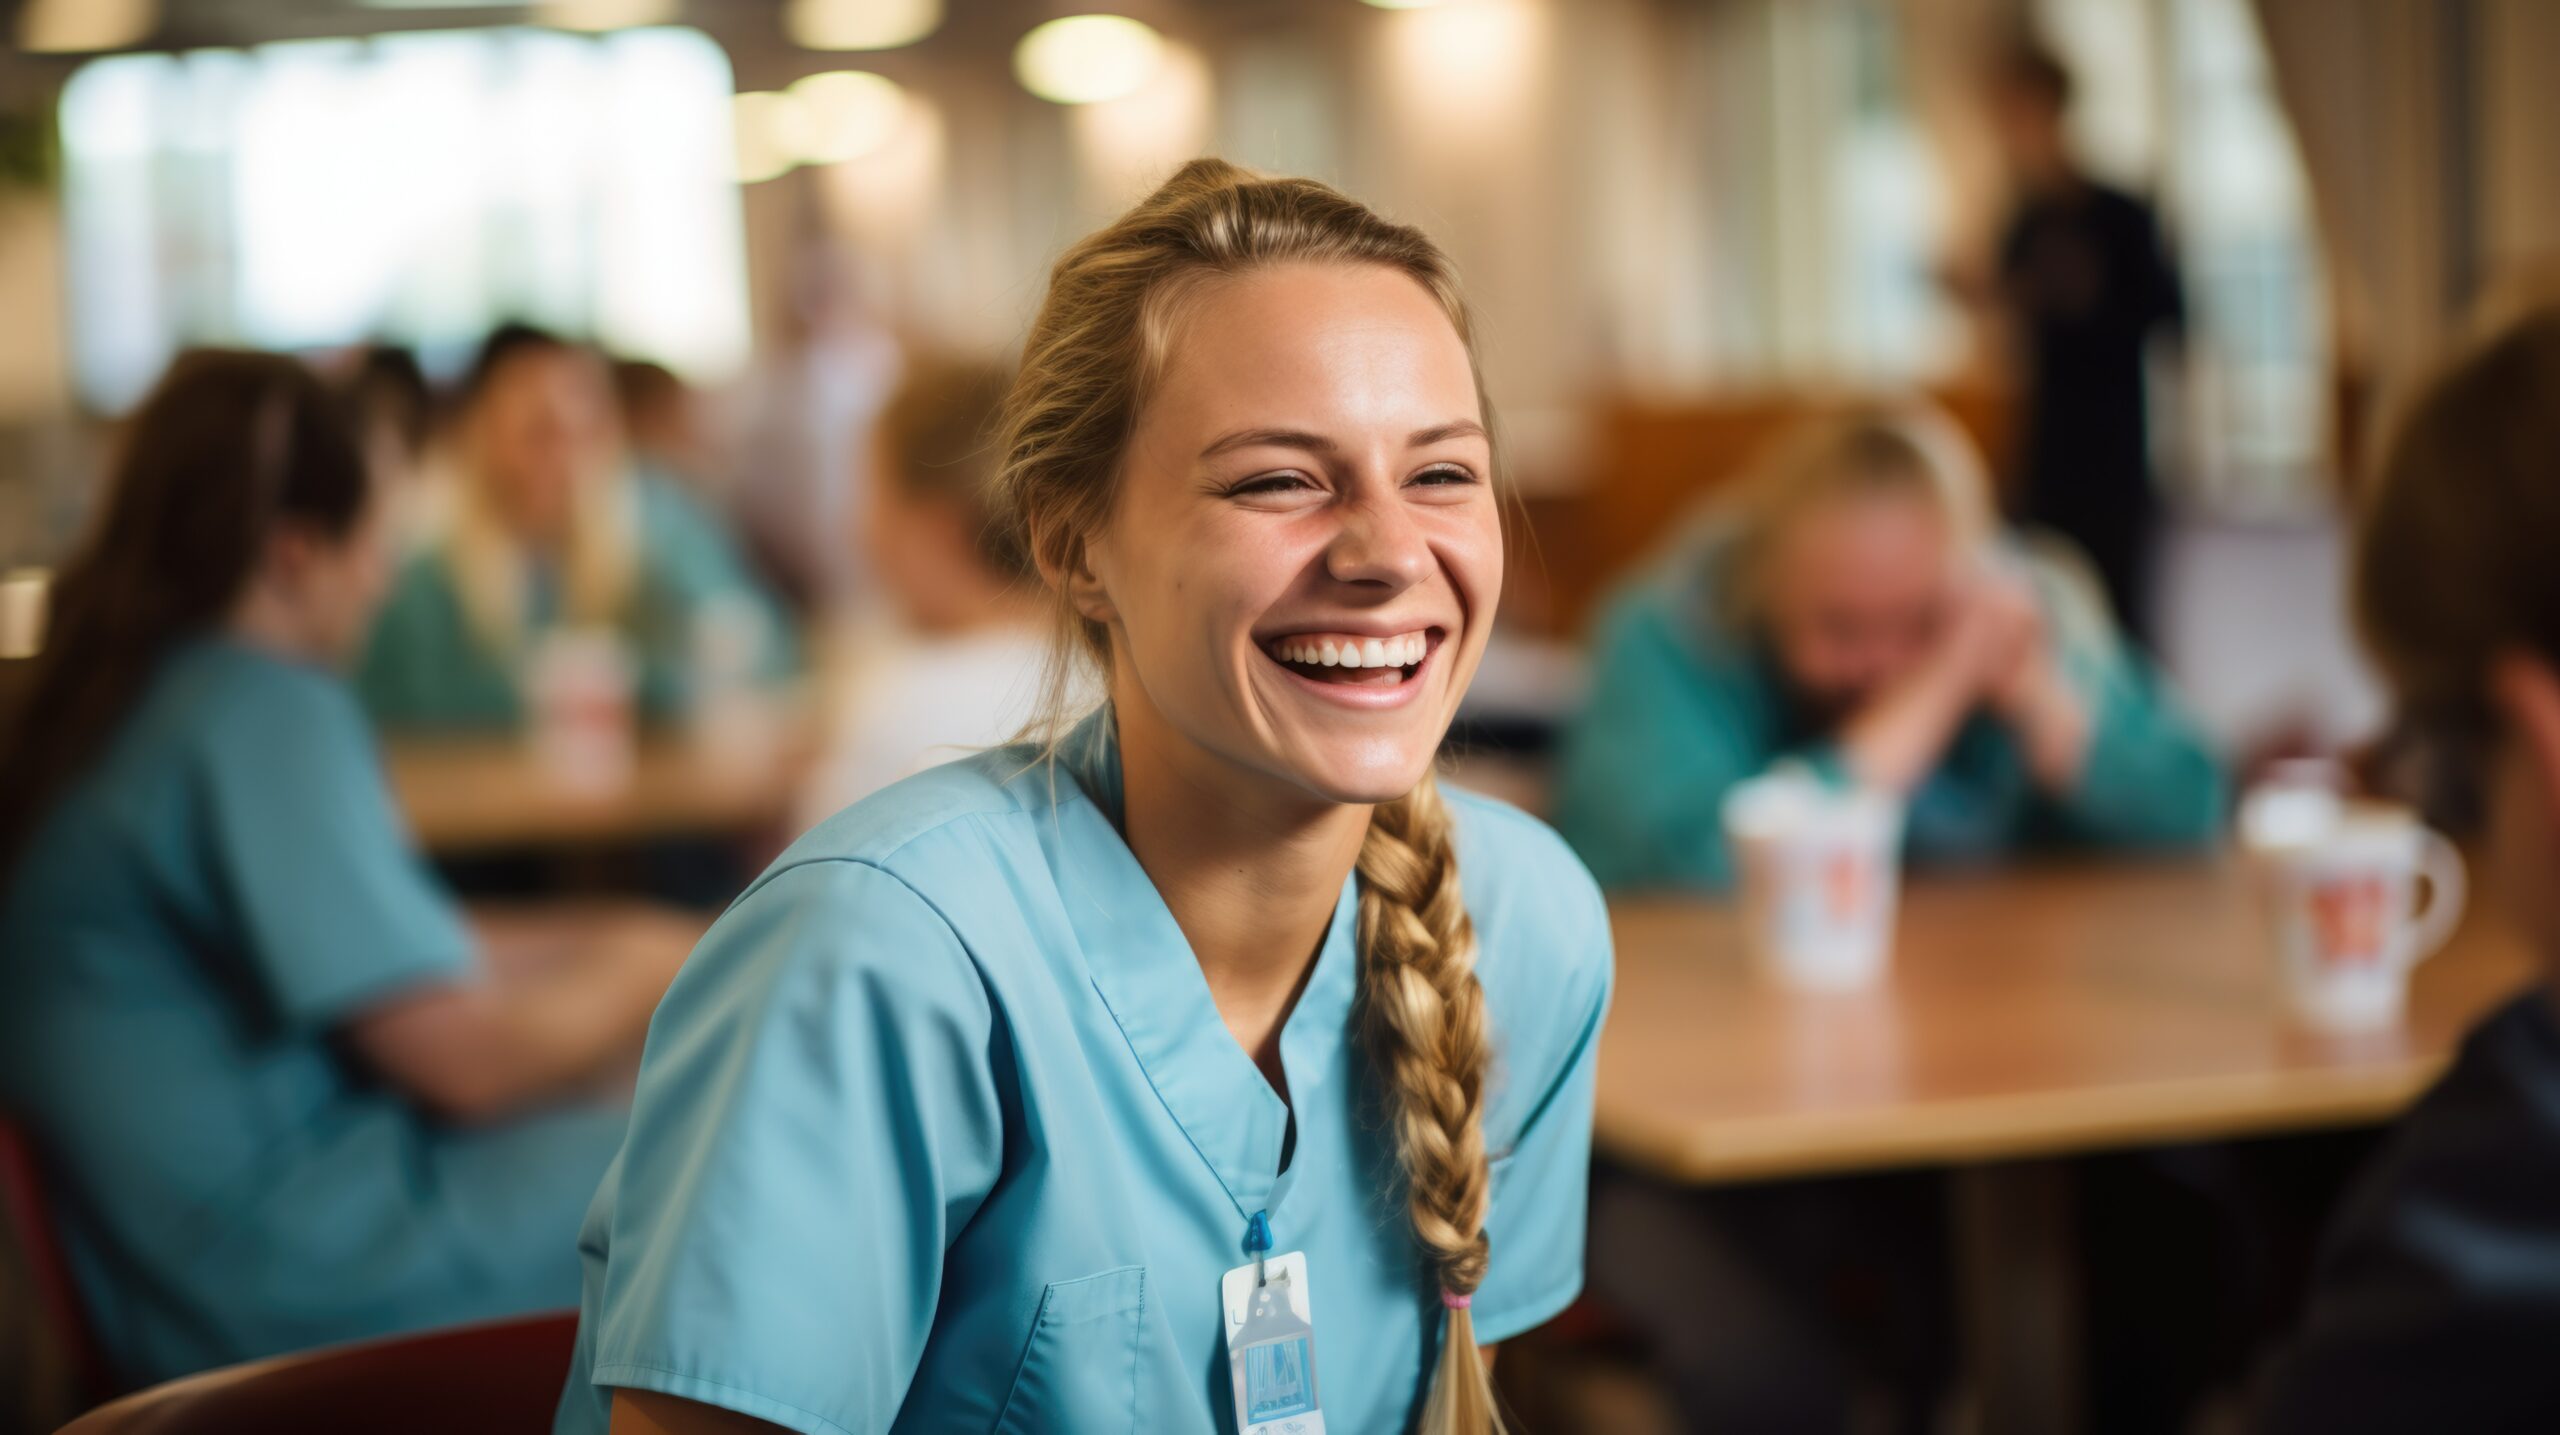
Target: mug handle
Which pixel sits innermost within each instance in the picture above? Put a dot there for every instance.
(2441, 865)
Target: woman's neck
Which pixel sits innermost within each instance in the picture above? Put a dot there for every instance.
(263, 620)
(1250, 867)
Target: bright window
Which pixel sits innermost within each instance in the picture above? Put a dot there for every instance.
(418, 188)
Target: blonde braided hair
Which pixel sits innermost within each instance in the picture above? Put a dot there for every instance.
(1093, 352)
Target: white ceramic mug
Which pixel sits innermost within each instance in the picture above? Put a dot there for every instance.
(1820, 877)
(2347, 918)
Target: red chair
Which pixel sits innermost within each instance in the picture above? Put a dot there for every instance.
(496, 1378)
(32, 1229)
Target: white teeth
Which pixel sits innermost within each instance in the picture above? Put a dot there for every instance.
(1401, 651)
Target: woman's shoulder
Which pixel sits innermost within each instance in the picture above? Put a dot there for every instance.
(948, 835)
(223, 694)
(901, 887)
(978, 790)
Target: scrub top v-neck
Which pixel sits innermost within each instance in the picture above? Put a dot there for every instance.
(940, 1130)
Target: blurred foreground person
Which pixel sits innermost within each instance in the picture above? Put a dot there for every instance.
(961, 668)
(2436, 1305)
(551, 529)
(285, 1095)
(1853, 609)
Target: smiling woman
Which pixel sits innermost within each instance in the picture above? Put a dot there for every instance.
(1156, 1074)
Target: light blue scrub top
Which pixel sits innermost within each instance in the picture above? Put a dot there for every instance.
(940, 1130)
(186, 926)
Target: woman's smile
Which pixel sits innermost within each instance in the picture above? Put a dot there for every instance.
(1366, 667)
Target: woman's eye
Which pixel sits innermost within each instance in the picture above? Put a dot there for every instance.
(1269, 483)
(1440, 475)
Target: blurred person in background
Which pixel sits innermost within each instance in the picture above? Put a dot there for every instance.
(961, 669)
(551, 527)
(2436, 1303)
(285, 1093)
(1853, 608)
(804, 417)
(663, 423)
(2087, 282)
(393, 412)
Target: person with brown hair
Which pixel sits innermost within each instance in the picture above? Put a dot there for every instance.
(552, 527)
(2436, 1302)
(286, 1094)
(957, 665)
(1199, 1065)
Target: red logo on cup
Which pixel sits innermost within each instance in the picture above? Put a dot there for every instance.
(1844, 884)
(2351, 916)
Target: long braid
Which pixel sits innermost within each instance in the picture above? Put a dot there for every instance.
(1423, 1024)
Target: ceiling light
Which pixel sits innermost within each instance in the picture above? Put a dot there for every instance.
(1084, 58)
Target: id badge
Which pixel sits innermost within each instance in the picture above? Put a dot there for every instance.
(1271, 1346)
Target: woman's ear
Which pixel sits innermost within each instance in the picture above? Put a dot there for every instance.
(1068, 567)
(2527, 693)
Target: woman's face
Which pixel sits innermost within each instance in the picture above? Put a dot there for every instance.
(1311, 476)
(331, 585)
(542, 429)
(2521, 781)
(1857, 588)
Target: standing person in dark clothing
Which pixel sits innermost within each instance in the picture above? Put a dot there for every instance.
(2088, 280)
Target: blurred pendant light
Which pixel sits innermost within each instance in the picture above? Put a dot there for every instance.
(859, 24)
(602, 14)
(70, 27)
(1082, 59)
(845, 114)
(770, 131)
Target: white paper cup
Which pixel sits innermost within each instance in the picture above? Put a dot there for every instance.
(579, 699)
(2345, 913)
(1820, 878)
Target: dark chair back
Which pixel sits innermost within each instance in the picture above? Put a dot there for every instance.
(495, 1378)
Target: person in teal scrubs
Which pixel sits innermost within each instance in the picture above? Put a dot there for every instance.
(965, 1114)
(1853, 610)
(284, 1093)
(549, 525)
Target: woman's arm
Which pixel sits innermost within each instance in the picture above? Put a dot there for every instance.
(1901, 735)
(564, 995)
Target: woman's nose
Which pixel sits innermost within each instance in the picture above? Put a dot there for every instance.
(1379, 543)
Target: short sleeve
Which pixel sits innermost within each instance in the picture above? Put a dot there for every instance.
(817, 1118)
(1542, 1178)
(336, 909)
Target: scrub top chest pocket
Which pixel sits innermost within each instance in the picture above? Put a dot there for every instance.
(1079, 1367)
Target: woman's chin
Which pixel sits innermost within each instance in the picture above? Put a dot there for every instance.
(1361, 773)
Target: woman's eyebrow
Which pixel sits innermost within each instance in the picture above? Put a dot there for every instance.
(1318, 443)
(1272, 438)
(1442, 433)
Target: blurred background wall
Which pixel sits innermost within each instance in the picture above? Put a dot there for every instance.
(1682, 219)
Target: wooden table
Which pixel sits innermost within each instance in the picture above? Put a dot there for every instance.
(466, 795)
(2030, 1014)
